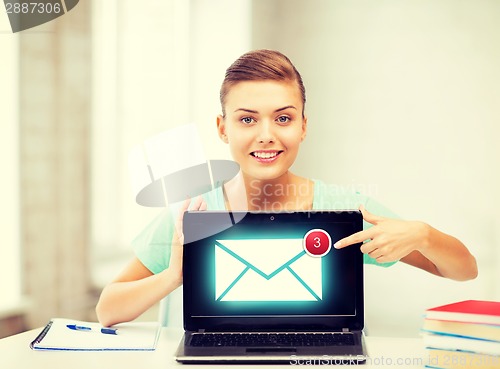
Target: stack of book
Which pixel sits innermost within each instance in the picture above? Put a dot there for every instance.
(463, 335)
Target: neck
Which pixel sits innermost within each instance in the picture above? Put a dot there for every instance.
(287, 192)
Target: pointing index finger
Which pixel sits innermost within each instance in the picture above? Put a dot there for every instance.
(357, 237)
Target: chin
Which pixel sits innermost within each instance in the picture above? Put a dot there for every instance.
(265, 175)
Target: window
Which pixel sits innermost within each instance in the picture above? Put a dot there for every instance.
(10, 262)
(155, 66)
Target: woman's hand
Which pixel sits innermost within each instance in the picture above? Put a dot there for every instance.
(389, 239)
(175, 264)
(415, 243)
(136, 288)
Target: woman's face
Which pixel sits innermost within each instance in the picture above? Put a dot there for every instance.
(263, 126)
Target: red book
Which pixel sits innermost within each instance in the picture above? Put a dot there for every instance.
(470, 311)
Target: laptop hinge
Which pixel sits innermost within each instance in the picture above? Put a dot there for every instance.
(344, 330)
(202, 330)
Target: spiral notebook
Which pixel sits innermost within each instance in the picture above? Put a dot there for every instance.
(60, 334)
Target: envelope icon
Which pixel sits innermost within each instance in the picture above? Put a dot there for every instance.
(266, 270)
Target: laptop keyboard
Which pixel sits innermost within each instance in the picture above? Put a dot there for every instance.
(271, 339)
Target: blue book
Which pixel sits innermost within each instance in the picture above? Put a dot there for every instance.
(452, 342)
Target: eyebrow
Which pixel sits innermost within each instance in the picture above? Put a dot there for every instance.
(276, 111)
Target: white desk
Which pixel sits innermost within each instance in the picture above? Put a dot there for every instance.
(16, 353)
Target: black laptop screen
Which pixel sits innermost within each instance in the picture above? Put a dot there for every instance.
(263, 270)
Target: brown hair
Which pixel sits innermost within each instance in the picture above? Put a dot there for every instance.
(261, 65)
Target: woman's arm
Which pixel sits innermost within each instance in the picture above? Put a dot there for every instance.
(136, 289)
(442, 255)
(414, 243)
(133, 292)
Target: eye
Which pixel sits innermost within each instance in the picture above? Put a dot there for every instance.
(283, 119)
(247, 120)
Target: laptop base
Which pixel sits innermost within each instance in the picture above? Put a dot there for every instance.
(330, 355)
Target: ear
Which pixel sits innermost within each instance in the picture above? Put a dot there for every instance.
(221, 129)
(304, 129)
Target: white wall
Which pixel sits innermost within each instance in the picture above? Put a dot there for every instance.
(403, 101)
(219, 33)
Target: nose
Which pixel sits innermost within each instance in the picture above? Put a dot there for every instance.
(266, 132)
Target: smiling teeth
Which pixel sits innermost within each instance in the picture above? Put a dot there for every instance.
(265, 155)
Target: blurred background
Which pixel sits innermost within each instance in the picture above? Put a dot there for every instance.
(403, 105)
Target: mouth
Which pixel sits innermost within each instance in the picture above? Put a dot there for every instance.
(267, 155)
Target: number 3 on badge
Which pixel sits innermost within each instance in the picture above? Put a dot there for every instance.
(317, 242)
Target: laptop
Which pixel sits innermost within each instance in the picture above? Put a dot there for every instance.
(264, 287)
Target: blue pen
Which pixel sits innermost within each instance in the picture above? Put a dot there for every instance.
(88, 329)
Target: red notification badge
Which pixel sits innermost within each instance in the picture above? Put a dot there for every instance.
(317, 242)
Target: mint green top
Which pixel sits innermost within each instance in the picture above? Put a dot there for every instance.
(152, 245)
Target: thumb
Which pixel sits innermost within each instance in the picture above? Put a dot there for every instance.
(369, 217)
(179, 221)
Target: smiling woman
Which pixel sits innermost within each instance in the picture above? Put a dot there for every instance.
(263, 121)
(264, 124)
(264, 127)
